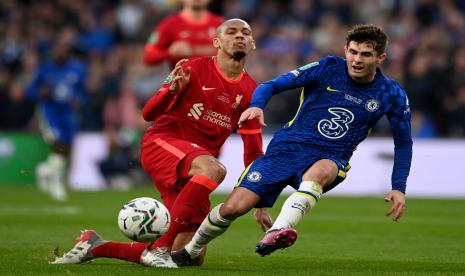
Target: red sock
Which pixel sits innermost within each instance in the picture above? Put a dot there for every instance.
(128, 251)
(188, 203)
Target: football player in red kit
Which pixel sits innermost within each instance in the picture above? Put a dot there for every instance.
(194, 112)
(186, 34)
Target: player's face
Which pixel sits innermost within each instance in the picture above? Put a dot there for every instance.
(362, 60)
(235, 39)
(196, 4)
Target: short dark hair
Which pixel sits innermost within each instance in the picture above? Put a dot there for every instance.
(370, 34)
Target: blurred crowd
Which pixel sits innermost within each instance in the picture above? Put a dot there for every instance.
(426, 54)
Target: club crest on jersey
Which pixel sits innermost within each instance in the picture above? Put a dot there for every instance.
(238, 101)
(254, 176)
(372, 105)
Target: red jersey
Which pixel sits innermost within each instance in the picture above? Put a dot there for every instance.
(178, 27)
(207, 111)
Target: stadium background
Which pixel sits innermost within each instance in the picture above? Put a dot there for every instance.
(426, 54)
(342, 236)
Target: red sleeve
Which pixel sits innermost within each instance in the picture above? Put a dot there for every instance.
(251, 133)
(163, 99)
(154, 55)
(156, 49)
(157, 104)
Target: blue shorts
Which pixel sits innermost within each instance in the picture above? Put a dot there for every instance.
(57, 126)
(271, 173)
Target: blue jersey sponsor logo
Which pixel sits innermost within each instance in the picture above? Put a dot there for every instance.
(337, 126)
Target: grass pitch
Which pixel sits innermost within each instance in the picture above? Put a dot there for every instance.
(341, 236)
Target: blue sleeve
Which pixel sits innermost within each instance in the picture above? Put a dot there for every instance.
(300, 77)
(399, 118)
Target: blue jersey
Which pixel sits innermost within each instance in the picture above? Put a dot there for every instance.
(66, 86)
(336, 113)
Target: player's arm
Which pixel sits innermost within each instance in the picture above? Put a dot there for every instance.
(300, 77)
(303, 76)
(400, 121)
(156, 48)
(175, 84)
(251, 134)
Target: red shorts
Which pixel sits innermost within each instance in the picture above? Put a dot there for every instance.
(168, 160)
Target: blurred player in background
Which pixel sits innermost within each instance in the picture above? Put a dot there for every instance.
(59, 89)
(341, 101)
(186, 34)
(194, 113)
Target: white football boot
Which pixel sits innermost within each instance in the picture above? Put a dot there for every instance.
(157, 257)
(82, 250)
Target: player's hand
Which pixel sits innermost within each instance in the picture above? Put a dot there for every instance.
(263, 218)
(398, 204)
(180, 77)
(252, 113)
(180, 49)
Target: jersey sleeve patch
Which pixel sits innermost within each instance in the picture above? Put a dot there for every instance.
(303, 68)
(153, 38)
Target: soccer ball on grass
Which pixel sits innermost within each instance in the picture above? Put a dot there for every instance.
(143, 219)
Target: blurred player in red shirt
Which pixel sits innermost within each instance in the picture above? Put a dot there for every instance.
(194, 112)
(186, 34)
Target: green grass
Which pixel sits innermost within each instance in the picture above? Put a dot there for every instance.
(342, 236)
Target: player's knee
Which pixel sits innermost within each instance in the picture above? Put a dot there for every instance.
(214, 170)
(232, 210)
(322, 177)
(323, 173)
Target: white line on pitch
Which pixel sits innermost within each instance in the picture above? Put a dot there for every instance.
(44, 210)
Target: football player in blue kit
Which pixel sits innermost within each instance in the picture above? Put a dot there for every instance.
(59, 88)
(341, 101)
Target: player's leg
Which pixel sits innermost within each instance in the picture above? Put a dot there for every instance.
(58, 163)
(91, 245)
(257, 187)
(321, 174)
(240, 202)
(58, 132)
(191, 171)
(205, 173)
(182, 239)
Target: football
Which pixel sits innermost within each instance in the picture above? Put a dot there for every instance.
(143, 219)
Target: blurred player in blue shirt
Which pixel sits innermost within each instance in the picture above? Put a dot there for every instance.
(59, 89)
(341, 101)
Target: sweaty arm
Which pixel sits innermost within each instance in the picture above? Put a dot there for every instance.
(251, 133)
(399, 118)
